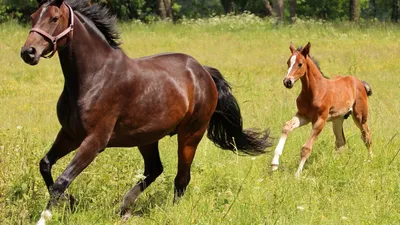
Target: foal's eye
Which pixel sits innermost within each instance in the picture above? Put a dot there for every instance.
(300, 65)
(54, 19)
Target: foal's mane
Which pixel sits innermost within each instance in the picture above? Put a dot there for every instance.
(315, 61)
(99, 15)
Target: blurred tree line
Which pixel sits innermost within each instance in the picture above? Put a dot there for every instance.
(284, 10)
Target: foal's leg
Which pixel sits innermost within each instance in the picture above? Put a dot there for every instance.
(360, 119)
(295, 122)
(153, 169)
(187, 145)
(339, 134)
(317, 127)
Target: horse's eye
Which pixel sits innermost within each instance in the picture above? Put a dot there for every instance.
(300, 65)
(54, 19)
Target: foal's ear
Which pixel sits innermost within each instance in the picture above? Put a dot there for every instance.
(292, 48)
(306, 50)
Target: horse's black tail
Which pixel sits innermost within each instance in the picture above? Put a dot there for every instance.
(226, 126)
(367, 87)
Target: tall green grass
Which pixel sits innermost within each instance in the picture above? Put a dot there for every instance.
(336, 187)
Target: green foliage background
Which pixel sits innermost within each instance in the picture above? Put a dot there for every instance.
(146, 10)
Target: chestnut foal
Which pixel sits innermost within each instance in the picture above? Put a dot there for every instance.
(322, 100)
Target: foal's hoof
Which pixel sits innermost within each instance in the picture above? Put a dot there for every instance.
(274, 167)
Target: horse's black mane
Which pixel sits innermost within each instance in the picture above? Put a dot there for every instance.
(315, 61)
(100, 16)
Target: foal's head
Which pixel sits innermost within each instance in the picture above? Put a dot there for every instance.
(52, 24)
(297, 65)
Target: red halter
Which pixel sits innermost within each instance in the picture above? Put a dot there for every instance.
(53, 39)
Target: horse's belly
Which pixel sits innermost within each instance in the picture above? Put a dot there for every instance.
(142, 133)
(335, 113)
(134, 139)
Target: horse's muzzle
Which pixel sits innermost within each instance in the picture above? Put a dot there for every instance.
(29, 55)
(288, 83)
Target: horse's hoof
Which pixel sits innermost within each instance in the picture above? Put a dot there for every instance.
(126, 215)
(72, 203)
(274, 167)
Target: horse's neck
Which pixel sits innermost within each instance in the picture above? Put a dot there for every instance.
(312, 79)
(83, 58)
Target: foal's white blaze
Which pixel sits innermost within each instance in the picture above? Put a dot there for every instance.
(46, 215)
(292, 61)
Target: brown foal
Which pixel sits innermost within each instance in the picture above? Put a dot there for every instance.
(322, 100)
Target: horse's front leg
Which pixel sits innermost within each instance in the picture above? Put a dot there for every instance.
(86, 153)
(63, 145)
(317, 127)
(295, 122)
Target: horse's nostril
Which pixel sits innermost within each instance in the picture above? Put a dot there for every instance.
(31, 51)
(287, 83)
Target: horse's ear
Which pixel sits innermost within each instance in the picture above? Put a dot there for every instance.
(40, 2)
(292, 48)
(58, 2)
(306, 50)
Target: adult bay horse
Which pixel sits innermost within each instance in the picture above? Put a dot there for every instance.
(110, 100)
(322, 100)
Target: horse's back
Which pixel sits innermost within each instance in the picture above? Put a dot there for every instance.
(347, 83)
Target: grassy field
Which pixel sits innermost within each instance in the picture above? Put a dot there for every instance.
(336, 187)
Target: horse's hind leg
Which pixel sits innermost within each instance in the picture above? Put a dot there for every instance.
(339, 134)
(153, 169)
(360, 115)
(187, 145)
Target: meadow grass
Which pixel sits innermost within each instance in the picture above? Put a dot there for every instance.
(336, 187)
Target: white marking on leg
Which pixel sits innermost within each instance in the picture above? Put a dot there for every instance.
(278, 152)
(45, 215)
(295, 122)
(292, 61)
(300, 169)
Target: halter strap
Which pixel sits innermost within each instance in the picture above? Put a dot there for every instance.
(53, 39)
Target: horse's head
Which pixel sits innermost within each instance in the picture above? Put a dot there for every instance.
(297, 65)
(52, 26)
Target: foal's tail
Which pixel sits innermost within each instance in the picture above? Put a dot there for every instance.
(368, 88)
(226, 128)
